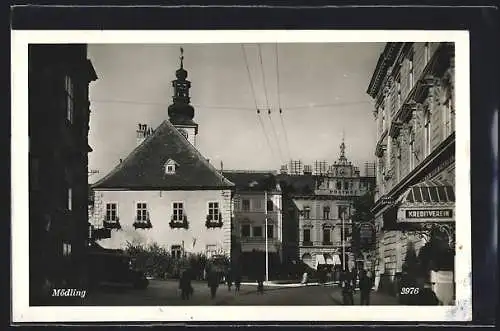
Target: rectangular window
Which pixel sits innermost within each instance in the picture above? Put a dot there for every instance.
(213, 211)
(447, 118)
(270, 205)
(176, 251)
(111, 212)
(257, 204)
(427, 129)
(245, 205)
(142, 211)
(66, 249)
(178, 211)
(326, 212)
(398, 92)
(326, 236)
(69, 91)
(70, 198)
(307, 235)
(245, 230)
(342, 212)
(307, 213)
(270, 231)
(257, 231)
(427, 53)
(410, 70)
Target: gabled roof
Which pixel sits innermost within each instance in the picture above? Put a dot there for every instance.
(143, 169)
(252, 180)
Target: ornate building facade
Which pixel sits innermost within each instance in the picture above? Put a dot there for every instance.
(322, 198)
(413, 88)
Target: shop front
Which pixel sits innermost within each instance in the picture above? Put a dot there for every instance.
(426, 211)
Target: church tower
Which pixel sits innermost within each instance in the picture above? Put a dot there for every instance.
(181, 113)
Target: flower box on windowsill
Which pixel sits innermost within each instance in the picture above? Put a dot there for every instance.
(115, 224)
(211, 223)
(179, 224)
(327, 243)
(140, 224)
(307, 243)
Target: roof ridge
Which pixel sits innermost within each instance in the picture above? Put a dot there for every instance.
(197, 152)
(129, 156)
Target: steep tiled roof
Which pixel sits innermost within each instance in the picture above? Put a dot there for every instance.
(252, 180)
(143, 169)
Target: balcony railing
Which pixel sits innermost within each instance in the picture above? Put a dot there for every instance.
(176, 223)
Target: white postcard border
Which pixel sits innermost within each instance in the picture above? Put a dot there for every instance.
(22, 312)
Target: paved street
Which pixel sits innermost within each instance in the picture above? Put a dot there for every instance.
(163, 293)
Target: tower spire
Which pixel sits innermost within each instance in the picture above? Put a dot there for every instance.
(180, 110)
(342, 148)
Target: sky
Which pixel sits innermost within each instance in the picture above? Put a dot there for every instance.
(322, 94)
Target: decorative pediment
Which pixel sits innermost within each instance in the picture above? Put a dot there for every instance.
(307, 226)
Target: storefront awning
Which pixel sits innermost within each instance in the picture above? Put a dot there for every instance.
(336, 260)
(427, 201)
(320, 259)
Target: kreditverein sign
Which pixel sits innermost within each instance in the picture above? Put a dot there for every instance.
(429, 213)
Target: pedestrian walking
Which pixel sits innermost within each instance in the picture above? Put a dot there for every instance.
(213, 282)
(260, 283)
(365, 287)
(229, 279)
(185, 284)
(237, 280)
(348, 287)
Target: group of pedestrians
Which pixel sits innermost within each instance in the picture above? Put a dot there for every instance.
(349, 281)
(214, 279)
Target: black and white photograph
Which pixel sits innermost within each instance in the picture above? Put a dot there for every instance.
(283, 175)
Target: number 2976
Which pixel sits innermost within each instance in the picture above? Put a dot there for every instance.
(409, 290)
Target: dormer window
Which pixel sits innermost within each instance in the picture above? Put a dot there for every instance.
(171, 167)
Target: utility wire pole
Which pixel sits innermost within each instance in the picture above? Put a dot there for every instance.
(267, 254)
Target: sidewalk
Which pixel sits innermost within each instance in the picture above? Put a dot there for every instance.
(376, 298)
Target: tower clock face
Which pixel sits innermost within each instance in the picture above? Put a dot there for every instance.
(184, 133)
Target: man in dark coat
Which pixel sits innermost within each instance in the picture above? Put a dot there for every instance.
(185, 285)
(347, 287)
(365, 287)
(213, 282)
(229, 279)
(237, 280)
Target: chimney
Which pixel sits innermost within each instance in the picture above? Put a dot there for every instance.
(142, 133)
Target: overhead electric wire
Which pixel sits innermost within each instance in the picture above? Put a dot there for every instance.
(255, 101)
(263, 75)
(249, 76)
(267, 104)
(279, 103)
(230, 107)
